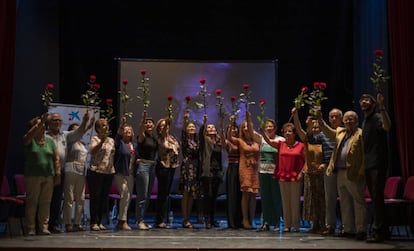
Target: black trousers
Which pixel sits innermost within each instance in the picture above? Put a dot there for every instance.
(56, 204)
(375, 179)
(234, 214)
(99, 186)
(165, 177)
(210, 186)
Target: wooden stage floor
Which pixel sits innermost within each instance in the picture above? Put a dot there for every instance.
(198, 238)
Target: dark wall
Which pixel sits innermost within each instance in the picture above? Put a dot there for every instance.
(36, 63)
(65, 41)
(311, 39)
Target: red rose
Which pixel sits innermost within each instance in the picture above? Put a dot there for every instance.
(92, 78)
(304, 88)
(96, 86)
(379, 52)
(108, 101)
(316, 85)
(245, 86)
(125, 81)
(188, 98)
(170, 98)
(50, 86)
(202, 81)
(322, 85)
(143, 72)
(218, 91)
(262, 102)
(233, 98)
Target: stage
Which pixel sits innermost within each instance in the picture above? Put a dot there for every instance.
(197, 238)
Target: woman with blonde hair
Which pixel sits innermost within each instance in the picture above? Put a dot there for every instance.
(100, 173)
(125, 151)
(167, 163)
(249, 148)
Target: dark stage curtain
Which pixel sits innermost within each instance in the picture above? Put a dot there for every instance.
(401, 33)
(7, 52)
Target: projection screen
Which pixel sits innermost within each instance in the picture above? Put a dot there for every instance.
(181, 78)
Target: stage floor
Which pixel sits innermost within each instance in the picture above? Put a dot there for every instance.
(198, 238)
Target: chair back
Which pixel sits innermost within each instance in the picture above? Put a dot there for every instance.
(409, 189)
(5, 188)
(19, 183)
(391, 187)
(87, 193)
(367, 193)
(154, 190)
(114, 189)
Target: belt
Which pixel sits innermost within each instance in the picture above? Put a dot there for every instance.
(233, 160)
(146, 161)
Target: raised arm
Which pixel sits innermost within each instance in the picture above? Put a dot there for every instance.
(84, 126)
(386, 121)
(38, 125)
(221, 133)
(296, 121)
(326, 129)
(120, 130)
(230, 137)
(274, 144)
(249, 123)
(141, 127)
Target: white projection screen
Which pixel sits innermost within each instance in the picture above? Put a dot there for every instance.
(181, 78)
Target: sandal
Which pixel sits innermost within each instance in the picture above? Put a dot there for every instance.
(163, 225)
(187, 224)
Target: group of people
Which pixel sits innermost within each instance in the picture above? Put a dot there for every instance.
(321, 163)
(341, 161)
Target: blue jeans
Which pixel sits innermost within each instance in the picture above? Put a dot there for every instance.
(144, 180)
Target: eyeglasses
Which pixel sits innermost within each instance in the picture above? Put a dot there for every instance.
(56, 120)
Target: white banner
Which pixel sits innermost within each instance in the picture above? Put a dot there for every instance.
(73, 114)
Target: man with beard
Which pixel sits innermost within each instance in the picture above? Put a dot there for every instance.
(374, 130)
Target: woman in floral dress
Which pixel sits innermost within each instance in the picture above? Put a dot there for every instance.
(189, 180)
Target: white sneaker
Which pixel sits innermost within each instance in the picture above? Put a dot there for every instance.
(45, 232)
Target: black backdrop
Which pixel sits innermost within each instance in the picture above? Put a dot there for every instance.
(311, 39)
(64, 41)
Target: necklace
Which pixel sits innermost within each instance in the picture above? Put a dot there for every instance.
(291, 145)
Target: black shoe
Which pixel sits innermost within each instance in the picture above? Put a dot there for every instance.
(329, 230)
(375, 238)
(361, 236)
(55, 230)
(263, 228)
